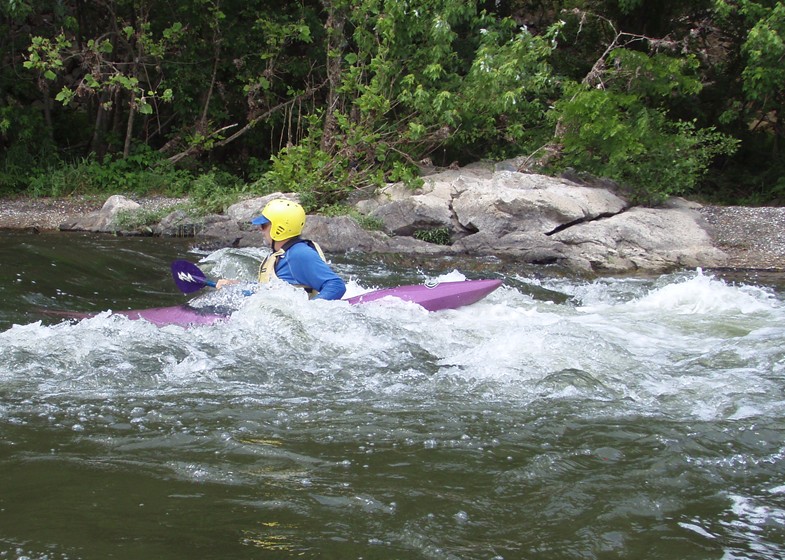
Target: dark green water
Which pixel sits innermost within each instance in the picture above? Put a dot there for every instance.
(558, 418)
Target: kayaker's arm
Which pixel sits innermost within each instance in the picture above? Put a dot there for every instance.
(223, 282)
(334, 288)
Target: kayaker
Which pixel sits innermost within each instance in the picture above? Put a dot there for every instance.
(295, 260)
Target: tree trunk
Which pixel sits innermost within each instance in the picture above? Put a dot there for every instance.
(129, 128)
(334, 26)
(202, 125)
(97, 141)
(44, 86)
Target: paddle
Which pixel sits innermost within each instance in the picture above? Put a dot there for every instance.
(189, 278)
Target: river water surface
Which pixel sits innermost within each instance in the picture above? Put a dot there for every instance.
(558, 418)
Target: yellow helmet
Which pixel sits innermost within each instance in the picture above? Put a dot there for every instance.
(286, 219)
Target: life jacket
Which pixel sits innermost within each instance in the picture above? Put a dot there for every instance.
(267, 268)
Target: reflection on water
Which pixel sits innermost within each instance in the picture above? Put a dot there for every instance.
(557, 418)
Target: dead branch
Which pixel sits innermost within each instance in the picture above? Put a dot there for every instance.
(191, 150)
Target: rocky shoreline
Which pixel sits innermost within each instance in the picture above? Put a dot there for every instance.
(748, 238)
(48, 214)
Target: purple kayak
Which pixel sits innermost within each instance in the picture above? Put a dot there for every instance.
(436, 297)
(182, 315)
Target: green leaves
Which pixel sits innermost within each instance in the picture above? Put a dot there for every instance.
(614, 134)
(654, 76)
(65, 96)
(764, 49)
(144, 107)
(47, 55)
(389, 82)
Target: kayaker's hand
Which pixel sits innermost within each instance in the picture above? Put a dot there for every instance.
(225, 282)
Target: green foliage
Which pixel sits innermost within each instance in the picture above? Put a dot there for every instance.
(323, 179)
(29, 147)
(624, 132)
(480, 86)
(215, 191)
(142, 173)
(366, 222)
(615, 135)
(142, 219)
(344, 95)
(653, 77)
(46, 55)
(503, 97)
(764, 50)
(320, 179)
(438, 236)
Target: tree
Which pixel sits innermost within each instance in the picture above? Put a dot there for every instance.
(763, 74)
(334, 95)
(406, 79)
(616, 122)
(121, 65)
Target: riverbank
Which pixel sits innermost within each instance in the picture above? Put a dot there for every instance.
(753, 238)
(43, 214)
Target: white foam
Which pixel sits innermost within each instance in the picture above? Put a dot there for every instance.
(649, 349)
(703, 294)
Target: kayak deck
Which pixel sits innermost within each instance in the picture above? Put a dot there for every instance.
(435, 297)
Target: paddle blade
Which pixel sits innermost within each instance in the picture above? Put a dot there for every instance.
(188, 277)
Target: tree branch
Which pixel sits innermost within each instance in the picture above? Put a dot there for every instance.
(191, 150)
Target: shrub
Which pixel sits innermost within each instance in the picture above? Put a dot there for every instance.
(142, 173)
(437, 236)
(214, 191)
(615, 135)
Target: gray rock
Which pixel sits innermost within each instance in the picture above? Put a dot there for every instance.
(246, 210)
(517, 202)
(544, 220)
(343, 234)
(648, 239)
(415, 213)
(178, 224)
(104, 220)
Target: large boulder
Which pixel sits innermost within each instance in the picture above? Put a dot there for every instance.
(542, 220)
(528, 247)
(513, 201)
(418, 212)
(106, 220)
(342, 234)
(404, 211)
(641, 239)
(178, 224)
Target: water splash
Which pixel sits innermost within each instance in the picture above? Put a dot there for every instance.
(687, 345)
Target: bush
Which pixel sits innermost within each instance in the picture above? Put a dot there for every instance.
(215, 191)
(615, 135)
(319, 179)
(142, 173)
(359, 159)
(437, 236)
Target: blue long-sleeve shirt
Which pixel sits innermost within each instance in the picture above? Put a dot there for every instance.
(301, 264)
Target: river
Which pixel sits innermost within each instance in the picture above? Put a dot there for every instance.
(558, 418)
